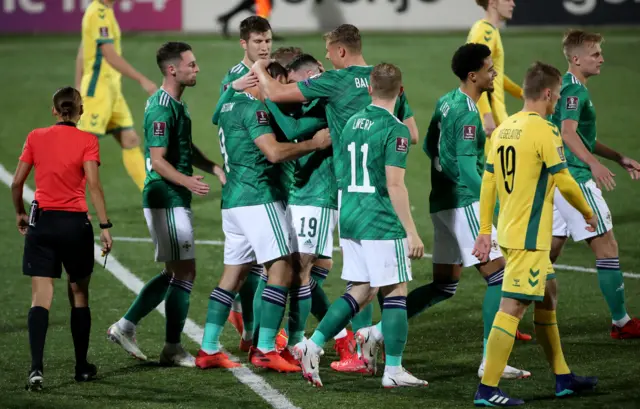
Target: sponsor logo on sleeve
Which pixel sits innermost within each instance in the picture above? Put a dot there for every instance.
(262, 117)
(402, 144)
(159, 128)
(561, 153)
(572, 103)
(469, 132)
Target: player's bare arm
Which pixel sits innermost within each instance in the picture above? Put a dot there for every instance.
(277, 152)
(630, 165)
(488, 193)
(123, 67)
(79, 67)
(602, 175)
(19, 178)
(400, 200)
(274, 90)
(413, 129)
(207, 165)
(570, 190)
(97, 198)
(166, 170)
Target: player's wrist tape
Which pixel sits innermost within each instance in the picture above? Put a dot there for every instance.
(106, 225)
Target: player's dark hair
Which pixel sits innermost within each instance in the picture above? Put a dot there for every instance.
(469, 58)
(284, 55)
(574, 39)
(303, 61)
(347, 35)
(67, 102)
(483, 3)
(386, 81)
(253, 24)
(275, 69)
(540, 76)
(170, 52)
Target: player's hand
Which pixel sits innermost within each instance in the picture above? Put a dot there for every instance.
(321, 67)
(22, 221)
(322, 139)
(219, 172)
(416, 248)
(248, 80)
(107, 242)
(260, 65)
(489, 124)
(482, 247)
(592, 223)
(603, 176)
(630, 166)
(196, 185)
(148, 86)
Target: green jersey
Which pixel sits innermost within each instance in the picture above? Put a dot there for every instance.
(167, 124)
(314, 182)
(346, 92)
(371, 140)
(251, 179)
(233, 74)
(575, 103)
(455, 130)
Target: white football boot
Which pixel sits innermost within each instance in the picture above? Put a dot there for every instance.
(308, 354)
(126, 340)
(509, 372)
(368, 347)
(403, 378)
(174, 354)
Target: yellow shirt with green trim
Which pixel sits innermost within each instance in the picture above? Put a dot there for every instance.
(99, 26)
(526, 151)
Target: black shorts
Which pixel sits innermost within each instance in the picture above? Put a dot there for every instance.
(59, 239)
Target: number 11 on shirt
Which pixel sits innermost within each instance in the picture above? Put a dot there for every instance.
(366, 185)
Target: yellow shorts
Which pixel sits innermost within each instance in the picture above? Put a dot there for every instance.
(526, 273)
(105, 109)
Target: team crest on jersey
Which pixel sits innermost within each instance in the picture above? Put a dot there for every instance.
(561, 153)
(402, 144)
(104, 31)
(225, 86)
(572, 103)
(262, 117)
(159, 128)
(469, 132)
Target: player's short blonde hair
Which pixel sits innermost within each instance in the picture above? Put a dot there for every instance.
(540, 76)
(346, 35)
(574, 39)
(386, 81)
(285, 55)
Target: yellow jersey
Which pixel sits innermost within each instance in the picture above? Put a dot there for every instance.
(483, 32)
(526, 151)
(99, 26)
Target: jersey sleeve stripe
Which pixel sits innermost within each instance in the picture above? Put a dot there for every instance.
(531, 237)
(489, 167)
(97, 64)
(557, 168)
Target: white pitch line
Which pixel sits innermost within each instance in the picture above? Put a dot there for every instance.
(191, 329)
(565, 267)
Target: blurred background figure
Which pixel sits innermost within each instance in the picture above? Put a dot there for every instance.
(260, 8)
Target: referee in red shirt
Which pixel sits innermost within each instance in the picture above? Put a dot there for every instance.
(58, 231)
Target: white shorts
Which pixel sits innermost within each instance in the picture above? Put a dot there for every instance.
(313, 227)
(377, 262)
(567, 221)
(454, 235)
(172, 233)
(259, 233)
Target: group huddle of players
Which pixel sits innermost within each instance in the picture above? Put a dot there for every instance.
(307, 149)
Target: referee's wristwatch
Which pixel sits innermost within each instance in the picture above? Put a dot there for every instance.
(106, 225)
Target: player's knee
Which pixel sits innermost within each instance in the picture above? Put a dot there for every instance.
(128, 139)
(183, 269)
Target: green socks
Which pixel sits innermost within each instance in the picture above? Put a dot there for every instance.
(299, 309)
(395, 328)
(612, 286)
(177, 308)
(429, 295)
(274, 300)
(340, 313)
(149, 298)
(219, 306)
(247, 294)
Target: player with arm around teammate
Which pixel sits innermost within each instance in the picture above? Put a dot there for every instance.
(575, 116)
(170, 158)
(525, 164)
(377, 232)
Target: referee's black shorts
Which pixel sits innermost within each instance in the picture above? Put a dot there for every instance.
(59, 238)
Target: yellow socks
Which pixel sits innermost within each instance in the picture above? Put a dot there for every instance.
(499, 345)
(549, 337)
(134, 164)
